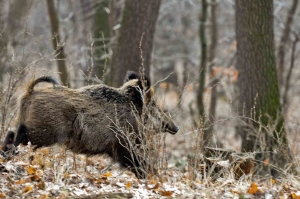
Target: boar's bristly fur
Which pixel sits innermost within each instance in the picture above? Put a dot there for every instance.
(88, 120)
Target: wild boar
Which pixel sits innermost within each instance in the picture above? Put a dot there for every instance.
(90, 120)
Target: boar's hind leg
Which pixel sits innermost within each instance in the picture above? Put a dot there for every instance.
(21, 136)
(129, 160)
(8, 142)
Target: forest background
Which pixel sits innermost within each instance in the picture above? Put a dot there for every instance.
(226, 71)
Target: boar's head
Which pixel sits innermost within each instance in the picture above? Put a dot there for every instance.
(144, 95)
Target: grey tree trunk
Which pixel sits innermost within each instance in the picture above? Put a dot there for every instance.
(284, 38)
(60, 59)
(211, 56)
(203, 61)
(11, 28)
(134, 46)
(101, 31)
(257, 83)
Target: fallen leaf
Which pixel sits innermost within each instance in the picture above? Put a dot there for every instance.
(23, 181)
(2, 195)
(66, 175)
(41, 185)
(37, 175)
(128, 185)
(235, 191)
(38, 160)
(107, 174)
(253, 188)
(286, 187)
(272, 181)
(27, 189)
(166, 193)
(155, 186)
(45, 151)
(44, 196)
(295, 196)
(31, 170)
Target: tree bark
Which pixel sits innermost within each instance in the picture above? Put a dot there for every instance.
(211, 56)
(203, 61)
(60, 58)
(259, 96)
(101, 31)
(134, 46)
(11, 25)
(3, 44)
(284, 38)
(285, 100)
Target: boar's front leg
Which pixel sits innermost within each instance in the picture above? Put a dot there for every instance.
(129, 159)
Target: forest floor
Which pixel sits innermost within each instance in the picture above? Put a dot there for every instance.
(56, 173)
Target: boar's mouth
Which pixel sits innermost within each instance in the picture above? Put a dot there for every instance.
(173, 129)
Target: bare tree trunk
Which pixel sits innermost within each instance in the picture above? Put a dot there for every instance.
(134, 46)
(101, 31)
(203, 61)
(211, 56)
(259, 96)
(56, 43)
(289, 75)
(3, 44)
(11, 25)
(284, 38)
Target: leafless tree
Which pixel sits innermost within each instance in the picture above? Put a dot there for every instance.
(135, 42)
(259, 96)
(56, 42)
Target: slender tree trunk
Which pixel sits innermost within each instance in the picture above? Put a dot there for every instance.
(285, 101)
(203, 59)
(56, 43)
(259, 96)
(134, 46)
(284, 38)
(11, 25)
(101, 31)
(3, 43)
(211, 55)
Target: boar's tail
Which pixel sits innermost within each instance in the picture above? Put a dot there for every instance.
(48, 79)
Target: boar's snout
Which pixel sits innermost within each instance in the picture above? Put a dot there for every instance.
(170, 127)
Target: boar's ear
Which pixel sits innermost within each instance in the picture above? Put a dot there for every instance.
(134, 92)
(130, 75)
(144, 81)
